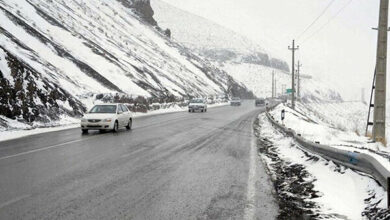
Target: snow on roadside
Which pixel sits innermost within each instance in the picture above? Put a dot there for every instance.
(340, 133)
(323, 195)
(21, 129)
(314, 127)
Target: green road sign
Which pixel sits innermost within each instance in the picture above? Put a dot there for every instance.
(289, 91)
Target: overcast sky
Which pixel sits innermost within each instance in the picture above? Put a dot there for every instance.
(342, 53)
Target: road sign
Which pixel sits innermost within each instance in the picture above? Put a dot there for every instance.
(288, 91)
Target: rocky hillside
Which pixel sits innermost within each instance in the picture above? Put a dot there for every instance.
(26, 94)
(70, 51)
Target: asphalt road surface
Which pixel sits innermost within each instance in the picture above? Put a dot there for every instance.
(172, 166)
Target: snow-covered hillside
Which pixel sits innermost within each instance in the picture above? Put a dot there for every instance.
(244, 60)
(258, 78)
(212, 40)
(55, 55)
(198, 32)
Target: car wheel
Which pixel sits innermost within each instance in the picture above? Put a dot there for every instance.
(129, 124)
(189, 110)
(116, 127)
(84, 131)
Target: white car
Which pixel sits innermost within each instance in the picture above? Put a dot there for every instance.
(236, 101)
(197, 105)
(107, 117)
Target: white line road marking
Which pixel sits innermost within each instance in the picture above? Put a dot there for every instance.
(45, 148)
(17, 199)
(134, 152)
(251, 193)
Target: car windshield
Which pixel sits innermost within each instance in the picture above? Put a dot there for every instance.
(196, 101)
(103, 109)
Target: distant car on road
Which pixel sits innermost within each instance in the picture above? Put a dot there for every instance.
(197, 105)
(235, 101)
(105, 117)
(260, 102)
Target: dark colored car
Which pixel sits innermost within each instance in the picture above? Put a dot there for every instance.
(260, 102)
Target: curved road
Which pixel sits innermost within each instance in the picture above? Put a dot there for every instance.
(172, 166)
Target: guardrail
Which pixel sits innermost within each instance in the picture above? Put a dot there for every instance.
(355, 160)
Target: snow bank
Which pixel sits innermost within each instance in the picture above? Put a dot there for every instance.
(333, 200)
(335, 128)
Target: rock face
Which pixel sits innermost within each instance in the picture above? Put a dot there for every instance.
(25, 95)
(142, 8)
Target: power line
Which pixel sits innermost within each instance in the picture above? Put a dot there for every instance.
(330, 19)
(315, 20)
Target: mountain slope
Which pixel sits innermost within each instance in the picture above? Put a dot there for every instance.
(85, 48)
(212, 40)
(247, 62)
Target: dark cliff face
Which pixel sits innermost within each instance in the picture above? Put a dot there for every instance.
(29, 97)
(142, 8)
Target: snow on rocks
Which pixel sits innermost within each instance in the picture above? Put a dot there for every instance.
(92, 47)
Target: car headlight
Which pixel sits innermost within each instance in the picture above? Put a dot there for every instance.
(83, 120)
(107, 120)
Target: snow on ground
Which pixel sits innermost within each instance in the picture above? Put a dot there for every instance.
(19, 130)
(258, 78)
(348, 116)
(331, 199)
(322, 123)
(338, 127)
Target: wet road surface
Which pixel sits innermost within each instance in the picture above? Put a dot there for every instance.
(172, 166)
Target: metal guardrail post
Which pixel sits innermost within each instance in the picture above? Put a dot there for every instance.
(388, 192)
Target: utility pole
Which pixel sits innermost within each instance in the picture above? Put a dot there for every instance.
(299, 79)
(293, 49)
(275, 89)
(379, 129)
(273, 84)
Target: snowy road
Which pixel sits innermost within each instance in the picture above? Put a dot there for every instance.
(172, 166)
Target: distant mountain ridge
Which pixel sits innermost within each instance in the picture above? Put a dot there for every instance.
(210, 39)
(248, 63)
